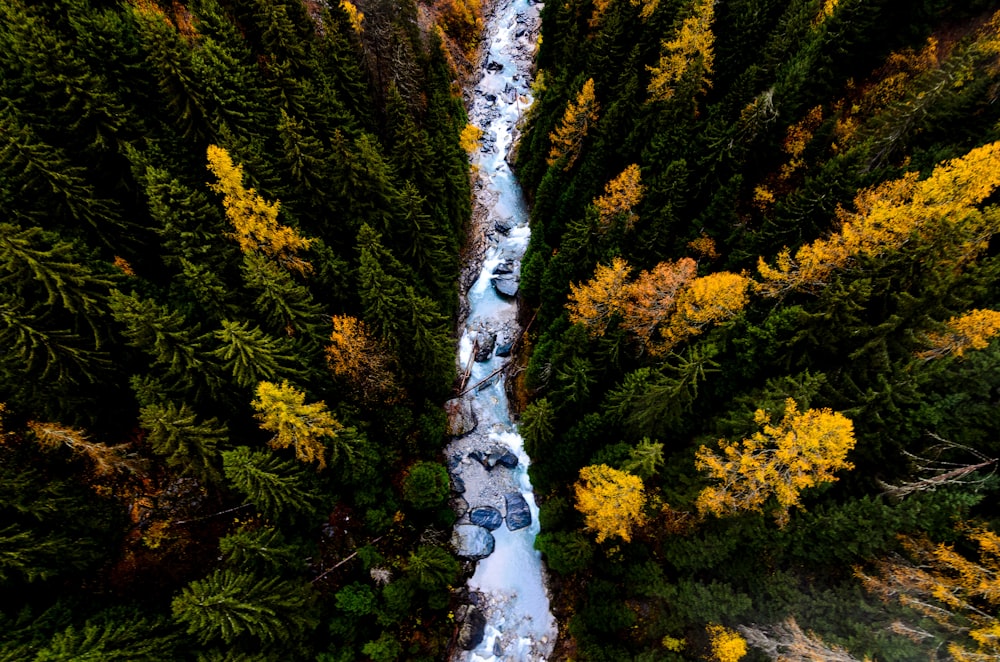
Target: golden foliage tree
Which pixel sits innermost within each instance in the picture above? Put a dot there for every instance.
(891, 214)
(802, 450)
(727, 645)
(254, 219)
(662, 307)
(567, 139)
(364, 361)
(707, 300)
(282, 409)
(621, 195)
(972, 330)
(689, 51)
(595, 302)
(471, 138)
(961, 594)
(611, 501)
(354, 15)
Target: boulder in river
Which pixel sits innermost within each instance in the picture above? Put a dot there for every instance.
(459, 505)
(506, 285)
(485, 342)
(470, 633)
(461, 418)
(518, 514)
(505, 349)
(472, 542)
(457, 485)
(508, 460)
(487, 517)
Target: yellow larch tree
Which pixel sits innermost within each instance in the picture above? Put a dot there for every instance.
(972, 330)
(708, 300)
(254, 219)
(801, 451)
(362, 360)
(282, 409)
(595, 302)
(961, 594)
(727, 645)
(354, 15)
(580, 115)
(889, 215)
(621, 195)
(689, 51)
(651, 299)
(471, 139)
(611, 501)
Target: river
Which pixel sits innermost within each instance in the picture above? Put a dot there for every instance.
(508, 616)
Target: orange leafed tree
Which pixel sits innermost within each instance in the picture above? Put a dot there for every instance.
(621, 195)
(891, 214)
(652, 298)
(611, 501)
(802, 450)
(972, 330)
(961, 594)
(365, 362)
(103, 459)
(690, 50)
(254, 219)
(282, 409)
(567, 139)
(594, 303)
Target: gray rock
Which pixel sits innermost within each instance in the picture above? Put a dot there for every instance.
(506, 285)
(476, 599)
(459, 505)
(472, 542)
(457, 485)
(485, 342)
(487, 517)
(508, 460)
(461, 418)
(518, 514)
(505, 349)
(470, 633)
(497, 650)
(493, 65)
(505, 267)
(504, 225)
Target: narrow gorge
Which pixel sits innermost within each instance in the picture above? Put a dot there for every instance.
(506, 615)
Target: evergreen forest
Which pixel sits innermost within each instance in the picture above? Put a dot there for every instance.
(761, 391)
(229, 256)
(759, 379)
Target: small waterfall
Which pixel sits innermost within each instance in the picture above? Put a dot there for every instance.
(508, 615)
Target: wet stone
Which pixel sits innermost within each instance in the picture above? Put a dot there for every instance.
(518, 514)
(457, 485)
(506, 286)
(484, 346)
(472, 542)
(508, 460)
(470, 634)
(497, 650)
(461, 418)
(494, 66)
(459, 505)
(487, 517)
(505, 349)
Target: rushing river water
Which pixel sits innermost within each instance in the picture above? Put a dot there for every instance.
(487, 460)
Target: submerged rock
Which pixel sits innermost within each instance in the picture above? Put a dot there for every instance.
(472, 542)
(461, 418)
(518, 513)
(487, 517)
(470, 633)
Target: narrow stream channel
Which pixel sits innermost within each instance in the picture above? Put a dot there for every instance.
(507, 616)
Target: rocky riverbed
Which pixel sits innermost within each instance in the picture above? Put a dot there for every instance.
(505, 615)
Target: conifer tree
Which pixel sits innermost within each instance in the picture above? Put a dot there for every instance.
(116, 634)
(189, 446)
(580, 115)
(249, 355)
(273, 485)
(229, 606)
(281, 409)
(260, 549)
(688, 55)
(286, 305)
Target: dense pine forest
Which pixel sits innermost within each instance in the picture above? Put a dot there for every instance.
(761, 393)
(228, 266)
